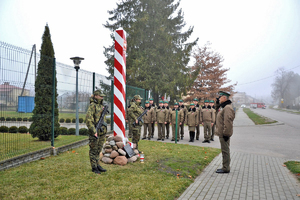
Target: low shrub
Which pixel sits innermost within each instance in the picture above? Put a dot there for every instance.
(3, 129)
(63, 131)
(13, 119)
(13, 129)
(25, 119)
(8, 119)
(30, 119)
(73, 120)
(61, 120)
(80, 120)
(108, 120)
(23, 129)
(68, 120)
(83, 131)
(72, 131)
(2, 118)
(19, 119)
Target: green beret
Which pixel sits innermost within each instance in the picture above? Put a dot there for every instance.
(212, 101)
(137, 97)
(166, 102)
(192, 104)
(180, 100)
(161, 101)
(147, 102)
(98, 92)
(151, 99)
(195, 99)
(206, 101)
(221, 93)
(176, 104)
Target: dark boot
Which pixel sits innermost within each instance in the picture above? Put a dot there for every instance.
(101, 169)
(190, 136)
(95, 170)
(193, 136)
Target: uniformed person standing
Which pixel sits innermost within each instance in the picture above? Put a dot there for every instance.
(161, 120)
(149, 119)
(212, 105)
(134, 112)
(184, 110)
(168, 110)
(129, 122)
(192, 120)
(96, 139)
(224, 129)
(198, 107)
(153, 106)
(180, 120)
(206, 118)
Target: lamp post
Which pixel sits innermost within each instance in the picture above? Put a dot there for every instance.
(77, 61)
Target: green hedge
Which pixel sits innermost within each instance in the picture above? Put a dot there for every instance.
(8, 119)
(13, 119)
(63, 131)
(83, 131)
(68, 120)
(80, 120)
(3, 129)
(30, 119)
(73, 120)
(2, 118)
(25, 119)
(72, 131)
(19, 119)
(13, 129)
(61, 120)
(23, 129)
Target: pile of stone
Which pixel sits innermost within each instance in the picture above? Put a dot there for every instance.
(113, 151)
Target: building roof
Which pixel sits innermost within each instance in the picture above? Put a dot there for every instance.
(6, 87)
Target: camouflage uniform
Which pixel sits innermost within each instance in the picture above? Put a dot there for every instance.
(134, 112)
(92, 117)
(129, 122)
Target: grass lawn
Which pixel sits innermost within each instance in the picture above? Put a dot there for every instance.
(15, 144)
(294, 167)
(27, 115)
(167, 171)
(257, 119)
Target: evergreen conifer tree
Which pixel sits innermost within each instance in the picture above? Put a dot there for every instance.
(42, 113)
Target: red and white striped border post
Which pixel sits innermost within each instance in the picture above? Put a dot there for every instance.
(120, 83)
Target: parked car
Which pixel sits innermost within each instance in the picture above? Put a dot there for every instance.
(243, 106)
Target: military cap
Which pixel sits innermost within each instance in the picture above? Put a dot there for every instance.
(137, 97)
(161, 101)
(195, 99)
(212, 101)
(180, 100)
(206, 101)
(98, 92)
(221, 93)
(147, 102)
(176, 104)
(166, 102)
(192, 104)
(151, 99)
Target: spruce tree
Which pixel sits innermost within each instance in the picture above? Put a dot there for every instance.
(157, 48)
(42, 112)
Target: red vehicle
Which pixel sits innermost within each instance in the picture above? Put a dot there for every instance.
(257, 105)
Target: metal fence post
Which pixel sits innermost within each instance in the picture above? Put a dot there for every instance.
(53, 102)
(93, 82)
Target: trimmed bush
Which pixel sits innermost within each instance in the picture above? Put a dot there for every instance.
(30, 119)
(23, 129)
(72, 131)
(25, 119)
(61, 120)
(73, 120)
(3, 129)
(19, 119)
(83, 131)
(68, 120)
(8, 119)
(80, 120)
(13, 129)
(63, 131)
(13, 119)
(108, 120)
(2, 118)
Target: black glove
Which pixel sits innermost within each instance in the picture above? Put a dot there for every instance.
(218, 100)
(226, 138)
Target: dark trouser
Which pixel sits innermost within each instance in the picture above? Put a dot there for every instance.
(173, 131)
(213, 131)
(153, 126)
(225, 154)
(136, 134)
(96, 146)
(149, 127)
(207, 130)
(167, 129)
(161, 130)
(197, 132)
(130, 129)
(181, 129)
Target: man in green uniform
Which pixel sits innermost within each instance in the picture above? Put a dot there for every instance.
(161, 120)
(197, 106)
(192, 120)
(149, 119)
(96, 139)
(134, 112)
(166, 105)
(212, 105)
(128, 122)
(184, 110)
(206, 118)
(152, 106)
(180, 121)
(224, 129)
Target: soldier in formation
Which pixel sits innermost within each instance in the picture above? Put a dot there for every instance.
(206, 118)
(149, 120)
(168, 110)
(184, 110)
(96, 138)
(154, 107)
(192, 120)
(198, 107)
(161, 120)
(212, 105)
(180, 120)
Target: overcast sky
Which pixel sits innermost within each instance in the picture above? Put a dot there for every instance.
(255, 37)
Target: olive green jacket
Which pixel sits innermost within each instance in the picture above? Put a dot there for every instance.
(93, 115)
(225, 117)
(180, 116)
(134, 111)
(192, 118)
(161, 115)
(150, 117)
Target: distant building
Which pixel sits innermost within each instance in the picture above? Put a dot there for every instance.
(240, 98)
(9, 94)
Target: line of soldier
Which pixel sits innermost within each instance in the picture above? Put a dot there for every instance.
(164, 116)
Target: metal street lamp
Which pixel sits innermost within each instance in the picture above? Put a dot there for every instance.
(77, 61)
